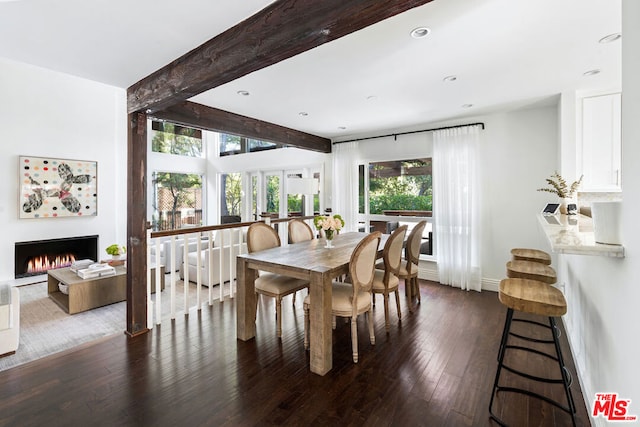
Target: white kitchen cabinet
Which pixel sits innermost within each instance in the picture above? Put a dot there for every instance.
(600, 153)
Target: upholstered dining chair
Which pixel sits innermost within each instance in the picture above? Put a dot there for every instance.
(385, 281)
(409, 267)
(299, 231)
(260, 237)
(352, 299)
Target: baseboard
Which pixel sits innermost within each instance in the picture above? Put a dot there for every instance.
(428, 270)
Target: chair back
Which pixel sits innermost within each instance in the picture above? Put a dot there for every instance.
(392, 254)
(299, 231)
(412, 252)
(261, 236)
(363, 264)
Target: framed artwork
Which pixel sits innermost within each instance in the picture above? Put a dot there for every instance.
(53, 188)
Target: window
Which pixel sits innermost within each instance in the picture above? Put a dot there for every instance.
(170, 138)
(396, 192)
(231, 198)
(273, 193)
(400, 185)
(294, 201)
(177, 200)
(235, 144)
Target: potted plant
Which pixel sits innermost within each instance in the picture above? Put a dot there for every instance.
(116, 250)
(560, 188)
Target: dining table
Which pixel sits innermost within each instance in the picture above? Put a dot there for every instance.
(309, 260)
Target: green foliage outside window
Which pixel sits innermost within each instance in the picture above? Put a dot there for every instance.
(398, 185)
(273, 193)
(169, 138)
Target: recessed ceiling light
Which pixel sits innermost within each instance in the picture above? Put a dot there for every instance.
(243, 93)
(420, 32)
(467, 105)
(303, 113)
(450, 79)
(591, 72)
(342, 127)
(610, 38)
(372, 98)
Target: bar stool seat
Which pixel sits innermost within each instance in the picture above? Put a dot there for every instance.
(533, 255)
(531, 270)
(537, 298)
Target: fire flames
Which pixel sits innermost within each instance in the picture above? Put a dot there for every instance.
(42, 263)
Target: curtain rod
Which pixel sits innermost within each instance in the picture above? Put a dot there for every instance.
(395, 135)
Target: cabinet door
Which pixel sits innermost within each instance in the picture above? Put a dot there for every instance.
(601, 142)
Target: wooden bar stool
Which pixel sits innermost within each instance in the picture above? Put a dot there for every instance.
(533, 255)
(531, 270)
(537, 298)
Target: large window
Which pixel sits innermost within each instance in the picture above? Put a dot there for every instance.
(397, 192)
(399, 185)
(177, 200)
(170, 138)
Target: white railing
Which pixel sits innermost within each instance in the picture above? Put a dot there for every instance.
(208, 253)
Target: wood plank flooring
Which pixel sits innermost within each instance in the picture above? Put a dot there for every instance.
(435, 368)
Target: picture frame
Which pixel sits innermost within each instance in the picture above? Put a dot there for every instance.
(56, 188)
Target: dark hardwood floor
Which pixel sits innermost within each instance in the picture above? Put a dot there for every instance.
(435, 368)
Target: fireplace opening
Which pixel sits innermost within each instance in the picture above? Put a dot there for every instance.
(37, 257)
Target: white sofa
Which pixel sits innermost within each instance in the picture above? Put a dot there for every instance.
(165, 251)
(9, 319)
(214, 266)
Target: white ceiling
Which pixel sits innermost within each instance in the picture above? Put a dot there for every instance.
(503, 52)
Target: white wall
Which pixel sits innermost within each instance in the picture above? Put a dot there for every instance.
(49, 114)
(603, 293)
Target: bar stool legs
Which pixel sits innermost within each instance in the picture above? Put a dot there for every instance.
(541, 299)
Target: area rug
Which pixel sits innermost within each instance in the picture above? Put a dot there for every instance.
(46, 329)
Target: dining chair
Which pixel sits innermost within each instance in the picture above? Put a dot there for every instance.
(261, 236)
(409, 268)
(385, 281)
(354, 298)
(299, 231)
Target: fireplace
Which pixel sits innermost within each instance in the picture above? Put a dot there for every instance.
(37, 257)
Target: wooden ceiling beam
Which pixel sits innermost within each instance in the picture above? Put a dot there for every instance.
(203, 117)
(283, 29)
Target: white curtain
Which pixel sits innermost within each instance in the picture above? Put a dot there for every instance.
(456, 206)
(345, 184)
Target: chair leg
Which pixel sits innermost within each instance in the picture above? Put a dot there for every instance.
(416, 289)
(386, 311)
(369, 319)
(279, 316)
(294, 298)
(407, 287)
(373, 298)
(306, 327)
(398, 303)
(354, 338)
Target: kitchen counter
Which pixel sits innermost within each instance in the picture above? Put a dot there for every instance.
(573, 234)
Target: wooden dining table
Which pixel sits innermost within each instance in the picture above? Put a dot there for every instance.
(308, 260)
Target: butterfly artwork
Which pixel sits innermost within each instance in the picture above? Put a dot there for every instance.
(52, 188)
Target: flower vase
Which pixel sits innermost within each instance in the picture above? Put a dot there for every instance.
(328, 234)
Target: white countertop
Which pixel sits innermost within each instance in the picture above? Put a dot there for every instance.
(573, 234)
